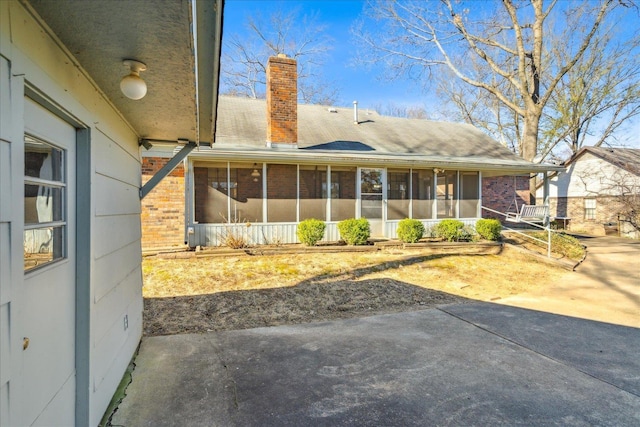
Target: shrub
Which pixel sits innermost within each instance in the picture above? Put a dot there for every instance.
(489, 228)
(354, 231)
(451, 230)
(410, 230)
(311, 231)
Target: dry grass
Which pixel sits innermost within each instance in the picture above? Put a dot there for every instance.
(482, 277)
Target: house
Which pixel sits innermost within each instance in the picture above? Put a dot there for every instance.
(599, 192)
(275, 163)
(70, 182)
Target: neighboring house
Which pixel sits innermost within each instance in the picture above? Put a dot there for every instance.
(275, 163)
(599, 193)
(70, 255)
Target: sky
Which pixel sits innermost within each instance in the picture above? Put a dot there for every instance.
(357, 83)
(354, 84)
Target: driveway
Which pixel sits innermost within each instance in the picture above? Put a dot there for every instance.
(461, 364)
(605, 287)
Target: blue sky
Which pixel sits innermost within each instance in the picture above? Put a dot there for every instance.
(339, 15)
(358, 83)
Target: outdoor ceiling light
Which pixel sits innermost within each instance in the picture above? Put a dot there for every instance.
(132, 86)
(255, 174)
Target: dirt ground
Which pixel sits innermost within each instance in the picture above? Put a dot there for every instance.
(237, 292)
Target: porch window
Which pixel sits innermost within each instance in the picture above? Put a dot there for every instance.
(422, 194)
(282, 193)
(469, 194)
(247, 205)
(446, 193)
(343, 193)
(213, 187)
(227, 193)
(398, 194)
(313, 192)
(589, 208)
(45, 213)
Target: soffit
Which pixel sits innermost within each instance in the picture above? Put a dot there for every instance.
(101, 33)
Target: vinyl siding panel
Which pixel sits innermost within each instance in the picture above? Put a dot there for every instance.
(107, 317)
(115, 161)
(117, 266)
(113, 233)
(116, 197)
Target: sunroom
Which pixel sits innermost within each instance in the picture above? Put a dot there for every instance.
(275, 163)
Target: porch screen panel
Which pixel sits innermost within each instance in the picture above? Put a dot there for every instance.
(282, 193)
(246, 206)
(469, 194)
(211, 192)
(313, 192)
(446, 192)
(422, 194)
(343, 193)
(398, 194)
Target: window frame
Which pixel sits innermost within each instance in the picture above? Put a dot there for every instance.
(57, 227)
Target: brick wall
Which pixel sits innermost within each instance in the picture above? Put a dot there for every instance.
(162, 214)
(607, 210)
(498, 193)
(282, 100)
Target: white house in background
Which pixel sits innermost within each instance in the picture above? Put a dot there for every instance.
(599, 192)
(70, 186)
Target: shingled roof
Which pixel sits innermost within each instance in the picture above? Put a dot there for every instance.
(625, 158)
(330, 132)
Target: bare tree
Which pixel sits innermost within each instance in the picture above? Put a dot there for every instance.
(595, 98)
(507, 42)
(407, 111)
(300, 37)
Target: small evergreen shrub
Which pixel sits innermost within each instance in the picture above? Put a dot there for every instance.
(311, 231)
(489, 229)
(354, 231)
(450, 230)
(410, 230)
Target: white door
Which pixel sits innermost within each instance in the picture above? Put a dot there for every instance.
(48, 306)
(372, 191)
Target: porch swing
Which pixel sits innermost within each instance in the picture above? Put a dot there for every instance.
(526, 213)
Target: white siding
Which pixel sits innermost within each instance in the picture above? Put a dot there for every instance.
(116, 279)
(589, 176)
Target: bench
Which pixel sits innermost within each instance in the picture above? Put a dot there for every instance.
(529, 213)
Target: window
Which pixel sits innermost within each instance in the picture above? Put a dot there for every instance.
(422, 193)
(589, 208)
(45, 213)
(313, 192)
(469, 194)
(343, 193)
(282, 193)
(398, 194)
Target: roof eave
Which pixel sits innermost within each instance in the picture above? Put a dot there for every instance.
(357, 158)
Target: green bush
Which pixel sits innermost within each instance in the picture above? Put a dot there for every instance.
(410, 230)
(489, 228)
(451, 230)
(354, 231)
(311, 231)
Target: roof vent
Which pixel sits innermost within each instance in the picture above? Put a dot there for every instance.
(332, 110)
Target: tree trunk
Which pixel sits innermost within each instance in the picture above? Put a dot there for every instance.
(530, 147)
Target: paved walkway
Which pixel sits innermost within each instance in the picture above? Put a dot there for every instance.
(605, 287)
(462, 364)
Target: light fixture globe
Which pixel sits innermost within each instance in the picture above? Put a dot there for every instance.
(132, 85)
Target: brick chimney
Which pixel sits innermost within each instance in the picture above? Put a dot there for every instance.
(282, 102)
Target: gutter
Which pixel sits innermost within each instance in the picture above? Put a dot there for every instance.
(363, 158)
